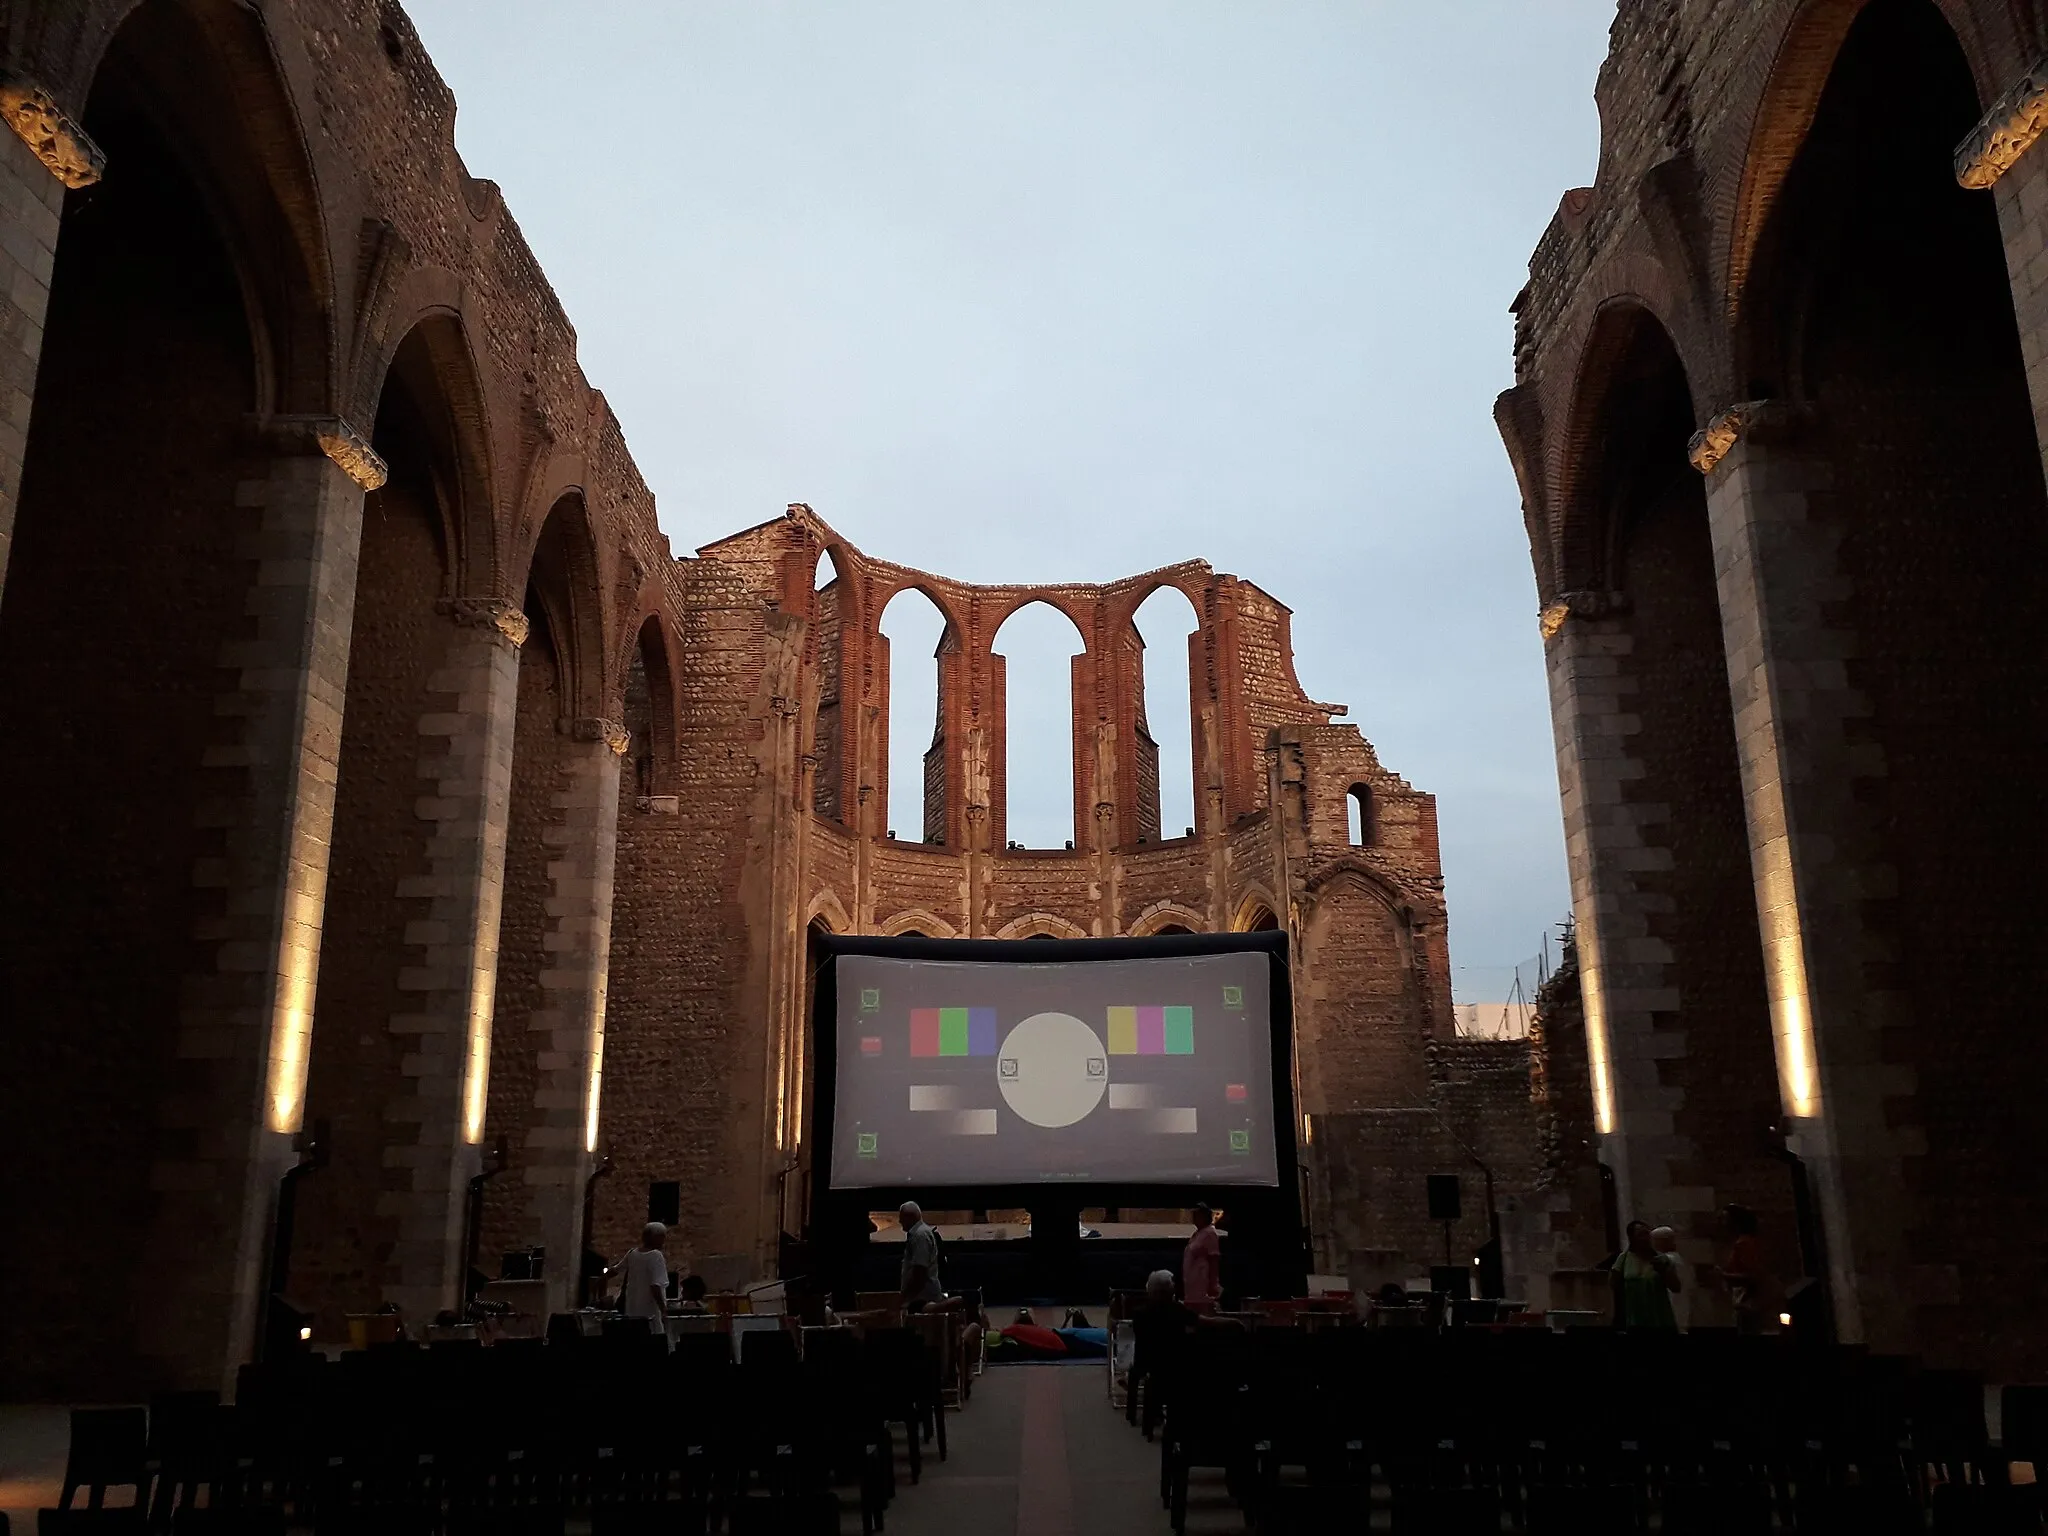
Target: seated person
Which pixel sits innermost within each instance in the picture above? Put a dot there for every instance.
(1157, 1333)
(693, 1295)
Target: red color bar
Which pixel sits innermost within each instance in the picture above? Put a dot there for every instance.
(924, 1031)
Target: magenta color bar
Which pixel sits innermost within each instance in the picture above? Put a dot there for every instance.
(1151, 1031)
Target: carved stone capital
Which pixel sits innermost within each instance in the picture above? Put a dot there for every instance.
(352, 451)
(503, 619)
(2006, 131)
(1759, 420)
(597, 728)
(1579, 605)
(332, 436)
(64, 147)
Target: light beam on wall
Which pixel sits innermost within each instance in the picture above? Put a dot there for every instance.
(483, 990)
(1599, 1048)
(1784, 941)
(298, 961)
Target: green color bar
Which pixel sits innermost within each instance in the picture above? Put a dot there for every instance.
(952, 1031)
(1180, 1031)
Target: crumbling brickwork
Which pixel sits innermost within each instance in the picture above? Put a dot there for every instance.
(394, 801)
(1806, 283)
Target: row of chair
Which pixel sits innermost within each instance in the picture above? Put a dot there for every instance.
(517, 1436)
(1586, 1432)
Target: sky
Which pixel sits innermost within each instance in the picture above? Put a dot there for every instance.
(1068, 291)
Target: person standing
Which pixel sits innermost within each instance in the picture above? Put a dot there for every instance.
(643, 1292)
(1644, 1283)
(1751, 1288)
(1665, 1241)
(1201, 1262)
(920, 1258)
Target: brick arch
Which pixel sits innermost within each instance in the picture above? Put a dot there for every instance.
(1162, 914)
(561, 571)
(1585, 552)
(884, 590)
(653, 638)
(1083, 622)
(1787, 98)
(216, 83)
(1041, 925)
(928, 923)
(1250, 905)
(1348, 873)
(431, 355)
(827, 908)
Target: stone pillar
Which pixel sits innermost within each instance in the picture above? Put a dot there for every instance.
(1849, 1105)
(1995, 157)
(563, 1126)
(435, 1128)
(1625, 971)
(46, 153)
(245, 1032)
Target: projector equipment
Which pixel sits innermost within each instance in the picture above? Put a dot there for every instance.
(665, 1202)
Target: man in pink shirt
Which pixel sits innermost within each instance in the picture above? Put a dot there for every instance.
(1201, 1262)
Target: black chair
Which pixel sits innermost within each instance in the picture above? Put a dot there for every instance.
(109, 1449)
(184, 1450)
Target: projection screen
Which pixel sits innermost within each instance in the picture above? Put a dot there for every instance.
(959, 1072)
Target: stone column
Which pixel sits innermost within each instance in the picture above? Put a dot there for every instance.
(1995, 157)
(46, 153)
(1849, 1106)
(563, 1126)
(1625, 972)
(435, 1127)
(245, 1032)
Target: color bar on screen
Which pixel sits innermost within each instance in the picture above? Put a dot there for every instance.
(1123, 1031)
(1151, 1031)
(953, 1031)
(1179, 1031)
(981, 1031)
(924, 1031)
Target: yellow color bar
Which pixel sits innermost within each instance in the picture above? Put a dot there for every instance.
(1123, 1031)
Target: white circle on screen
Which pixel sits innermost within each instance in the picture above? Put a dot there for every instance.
(1053, 1070)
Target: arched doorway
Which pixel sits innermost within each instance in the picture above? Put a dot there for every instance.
(1032, 677)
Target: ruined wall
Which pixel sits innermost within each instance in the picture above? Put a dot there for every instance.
(1788, 196)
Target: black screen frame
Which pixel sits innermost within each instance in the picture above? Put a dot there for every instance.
(1274, 1211)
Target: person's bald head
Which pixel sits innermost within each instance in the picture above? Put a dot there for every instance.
(908, 1215)
(653, 1235)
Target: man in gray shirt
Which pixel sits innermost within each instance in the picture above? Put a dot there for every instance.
(920, 1258)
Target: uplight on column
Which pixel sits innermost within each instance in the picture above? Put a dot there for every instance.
(1599, 1051)
(1777, 904)
(298, 975)
(595, 1089)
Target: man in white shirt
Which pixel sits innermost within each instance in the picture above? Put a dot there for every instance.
(920, 1258)
(643, 1292)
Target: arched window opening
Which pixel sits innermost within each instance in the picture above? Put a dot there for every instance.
(912, 791)
(1172, 928)
(828, 733)
(1166, 623)
(1358, 814)
(1034, 686)
(1261, 921)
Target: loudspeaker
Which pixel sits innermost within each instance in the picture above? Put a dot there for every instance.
(1444, 1203)
(665, 1202)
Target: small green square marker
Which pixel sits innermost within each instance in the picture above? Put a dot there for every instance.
(1240, 1141)
(1233, 997)
(870, 999)
(870, 1142)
